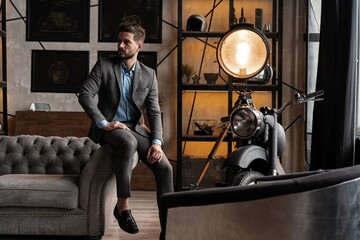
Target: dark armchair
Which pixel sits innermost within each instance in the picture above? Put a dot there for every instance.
(313, 205)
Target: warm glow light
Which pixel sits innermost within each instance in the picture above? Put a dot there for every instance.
(243, 52)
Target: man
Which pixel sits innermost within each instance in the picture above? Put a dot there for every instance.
(123, 86)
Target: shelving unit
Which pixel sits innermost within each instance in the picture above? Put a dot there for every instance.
(3, 81)
(184, 138)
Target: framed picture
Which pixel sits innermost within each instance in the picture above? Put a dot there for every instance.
(147, 58)
(112, 11)
(58, 71)
(57, 20)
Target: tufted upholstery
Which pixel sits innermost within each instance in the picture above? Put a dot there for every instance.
(43, 155)
(55, 186)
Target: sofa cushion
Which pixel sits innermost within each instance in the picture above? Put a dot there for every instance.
(39, 190)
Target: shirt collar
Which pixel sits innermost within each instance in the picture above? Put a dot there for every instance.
(124, 69)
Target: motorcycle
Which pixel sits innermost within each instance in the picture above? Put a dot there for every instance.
(260, 139)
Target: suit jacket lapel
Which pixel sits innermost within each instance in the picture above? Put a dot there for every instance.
(117, 70)
(137, 76)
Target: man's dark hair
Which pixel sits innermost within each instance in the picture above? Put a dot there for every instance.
(132, 24)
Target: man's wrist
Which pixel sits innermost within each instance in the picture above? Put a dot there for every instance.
(102, 124)
(157, 141)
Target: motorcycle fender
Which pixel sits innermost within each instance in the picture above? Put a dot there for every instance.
(243, 156)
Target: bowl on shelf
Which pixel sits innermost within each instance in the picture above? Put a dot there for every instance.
(211, 77)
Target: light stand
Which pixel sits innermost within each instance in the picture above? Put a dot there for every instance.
(242, 53)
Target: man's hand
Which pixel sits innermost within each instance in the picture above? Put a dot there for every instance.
(115, 125)
(155, 153)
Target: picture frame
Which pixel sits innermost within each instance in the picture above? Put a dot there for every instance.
(112, 11)
(149, 58)
(58, 20)
(58, 71)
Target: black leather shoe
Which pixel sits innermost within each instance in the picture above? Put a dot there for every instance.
(126, 221)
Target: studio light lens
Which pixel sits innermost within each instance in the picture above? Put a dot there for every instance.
(243, 52)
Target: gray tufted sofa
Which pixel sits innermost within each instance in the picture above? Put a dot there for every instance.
(55, 186)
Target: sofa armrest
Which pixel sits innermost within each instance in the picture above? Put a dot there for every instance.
(286, 176)
(97, 186)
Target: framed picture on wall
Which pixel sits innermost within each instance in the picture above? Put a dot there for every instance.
(57, 20)
(148, 58)
(112, 11)
(58, 71)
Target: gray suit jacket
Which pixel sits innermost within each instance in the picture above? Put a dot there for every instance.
(105, 80)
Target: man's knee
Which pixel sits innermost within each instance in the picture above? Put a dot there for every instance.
(125, 142)
(131, 143)
(166, 167)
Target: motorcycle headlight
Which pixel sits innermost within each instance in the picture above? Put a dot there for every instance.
(247, 122)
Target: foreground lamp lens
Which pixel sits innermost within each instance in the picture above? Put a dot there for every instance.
(243, 52)
(247, 122)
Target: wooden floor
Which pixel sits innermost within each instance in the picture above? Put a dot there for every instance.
(145, 211)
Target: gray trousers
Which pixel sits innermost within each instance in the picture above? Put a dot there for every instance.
(125, 144)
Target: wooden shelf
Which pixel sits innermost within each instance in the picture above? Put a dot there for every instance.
(219, 87)
(220, 34)
(223, 87)
(200, 138)
(203, 34)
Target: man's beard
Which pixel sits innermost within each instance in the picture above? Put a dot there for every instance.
(127, 56)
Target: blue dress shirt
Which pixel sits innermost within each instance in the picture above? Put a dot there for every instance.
(126, 111)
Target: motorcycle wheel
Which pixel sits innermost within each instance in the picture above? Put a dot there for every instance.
(245, 178)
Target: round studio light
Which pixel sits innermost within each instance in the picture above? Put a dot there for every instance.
(247, 122)
(243, 51)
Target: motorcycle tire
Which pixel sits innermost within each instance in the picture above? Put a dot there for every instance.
(245, 178)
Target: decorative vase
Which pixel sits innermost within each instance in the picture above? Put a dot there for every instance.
(185, 79)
